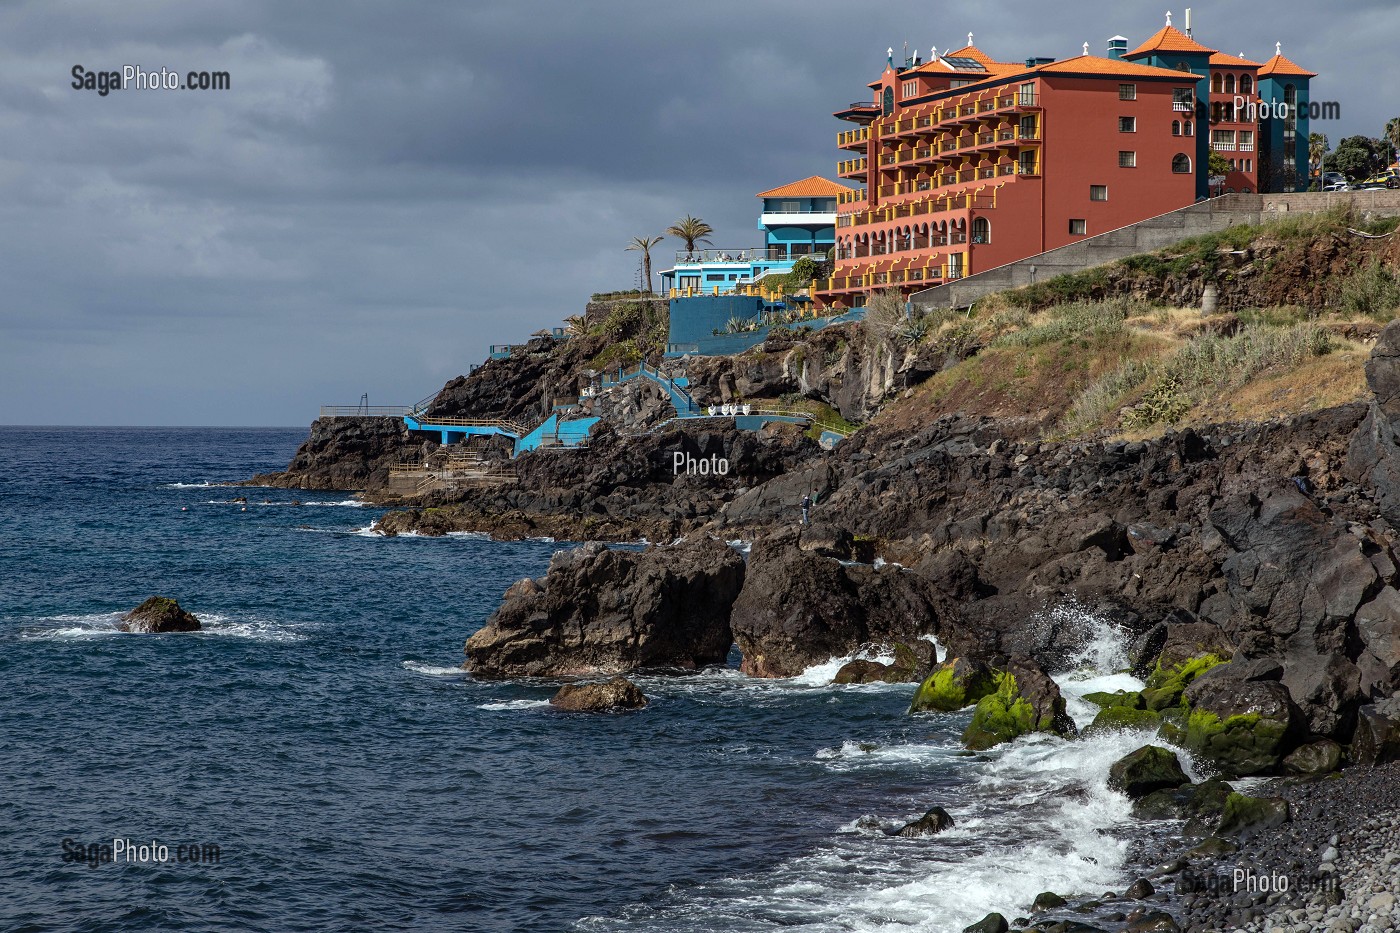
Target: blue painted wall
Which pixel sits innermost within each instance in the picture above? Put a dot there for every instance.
(1272, 149)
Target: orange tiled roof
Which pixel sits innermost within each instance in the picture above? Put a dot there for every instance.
(1169, 39)
(813, 186)
(1278, 65)
(974, 53)
(1093, 64)
(1233, 61)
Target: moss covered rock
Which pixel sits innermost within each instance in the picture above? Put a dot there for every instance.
(1243, 815)
(954, 685)
(1169, 680)
(1321, 757)
(1130, 699)
(1241, 727)
(1121, 718)
(1026, 700)
(1150, 768)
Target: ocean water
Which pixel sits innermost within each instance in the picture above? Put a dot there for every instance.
(321, 734)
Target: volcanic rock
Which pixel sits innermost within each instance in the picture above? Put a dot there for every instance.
(600, 610)
(159, 614)
(616, 694)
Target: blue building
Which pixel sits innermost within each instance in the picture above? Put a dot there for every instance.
(1283, 124)
(797, 220)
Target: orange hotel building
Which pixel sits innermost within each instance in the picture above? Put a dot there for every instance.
(966, 163)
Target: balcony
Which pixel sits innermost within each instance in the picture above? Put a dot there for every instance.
(849, 168)
(850, 197)
(745, 255)
(797, 218)
(853, 139)
(1184, 106)
(860, 111)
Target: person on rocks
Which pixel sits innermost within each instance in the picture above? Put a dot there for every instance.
(806, 509)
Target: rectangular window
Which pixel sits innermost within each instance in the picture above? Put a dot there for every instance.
(911, 88)
(1078, 227)
(1183, 99)
(1098, 192)
(1127, 159)
(1222, 140)
(1026, 96)
(1127, 92)
(1127, 124)
(1246, 140)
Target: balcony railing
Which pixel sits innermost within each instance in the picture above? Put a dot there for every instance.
(748, 254)
(1184, 106)
(850, 166)
(852, 137)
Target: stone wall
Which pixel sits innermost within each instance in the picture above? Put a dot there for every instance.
(1148, 235)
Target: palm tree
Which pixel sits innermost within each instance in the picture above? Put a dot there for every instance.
(692, 230)
(1392, 132)
(577, 325)
(643, 245)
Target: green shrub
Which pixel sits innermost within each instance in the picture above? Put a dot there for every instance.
(1103, 396)
(1371, 291)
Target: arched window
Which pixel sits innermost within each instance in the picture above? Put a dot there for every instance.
(1182, 66)
(889, 102)
(1181, 163)
(1217, 83)
(1246, 86)
(1187, 127)
(1229, 84)
(981, 230)
(1176, 127)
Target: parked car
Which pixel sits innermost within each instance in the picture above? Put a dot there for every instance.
(1332, 178)
(1339, 186)
(1386, 179)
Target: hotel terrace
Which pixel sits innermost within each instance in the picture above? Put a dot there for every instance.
(966, 163)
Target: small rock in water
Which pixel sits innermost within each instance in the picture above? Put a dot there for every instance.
(934, 821)
(1139, 889)
(159, 614)
(992, 923)
(616, 694)
(1047, 900)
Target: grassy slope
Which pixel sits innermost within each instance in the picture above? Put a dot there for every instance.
(1068, 358)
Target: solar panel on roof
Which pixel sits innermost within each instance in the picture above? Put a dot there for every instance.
(964, 64)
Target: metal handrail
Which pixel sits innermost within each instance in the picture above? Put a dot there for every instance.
(365, 411)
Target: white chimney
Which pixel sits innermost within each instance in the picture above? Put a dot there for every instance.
(1188, 21)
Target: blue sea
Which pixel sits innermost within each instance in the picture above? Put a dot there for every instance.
(320, 733)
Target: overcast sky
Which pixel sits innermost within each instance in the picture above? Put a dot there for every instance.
(389, 187)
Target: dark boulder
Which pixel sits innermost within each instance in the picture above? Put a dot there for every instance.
(957, 683)
(1026, 701)
(1378, 626)
(1244, 815)
(156, 615)
(1373, 459)
(992, 923)
(933, 822)
(798, 608)
(1150, 768)
(902, 670)
(1241, 726)
(608, 696)
(1321, 757)
(1377, 737)
(599, 610)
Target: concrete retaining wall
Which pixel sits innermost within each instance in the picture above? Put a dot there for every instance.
(1148, 235)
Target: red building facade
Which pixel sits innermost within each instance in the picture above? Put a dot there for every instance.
(966, 163)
